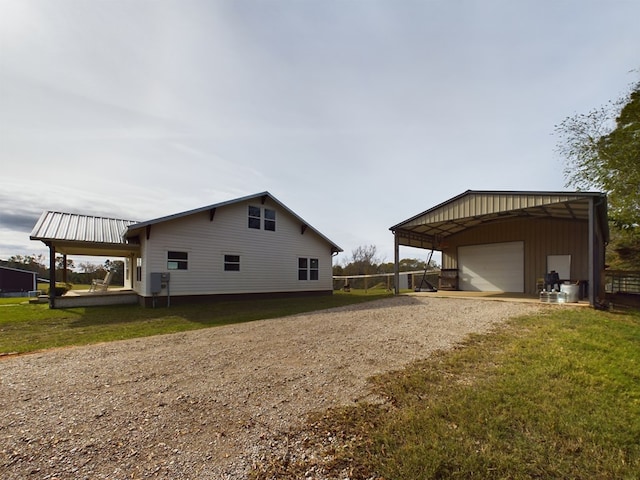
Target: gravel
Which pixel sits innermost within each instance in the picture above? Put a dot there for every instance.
(211, 403)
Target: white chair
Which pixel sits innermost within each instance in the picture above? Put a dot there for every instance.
(101, 285)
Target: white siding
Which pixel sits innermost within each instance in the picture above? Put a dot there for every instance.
(268, 260)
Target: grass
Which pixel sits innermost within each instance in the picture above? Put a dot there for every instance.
(28, 327)
(554, 397)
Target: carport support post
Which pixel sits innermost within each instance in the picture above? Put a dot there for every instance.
(52, 276)
(396, 264)
(592, 254)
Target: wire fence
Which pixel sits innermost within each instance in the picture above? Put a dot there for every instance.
(408, 280)
(618, 281)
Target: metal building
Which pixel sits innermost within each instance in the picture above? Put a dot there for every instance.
(14, 280)
(507, 241)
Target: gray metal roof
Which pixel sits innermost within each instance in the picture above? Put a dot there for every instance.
(476, 207)
(79, 228)
(75, 234)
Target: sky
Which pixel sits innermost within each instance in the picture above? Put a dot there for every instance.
(356, 114)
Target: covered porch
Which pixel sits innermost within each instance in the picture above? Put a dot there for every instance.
(84, 235)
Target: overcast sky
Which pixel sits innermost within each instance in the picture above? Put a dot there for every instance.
(355, 114)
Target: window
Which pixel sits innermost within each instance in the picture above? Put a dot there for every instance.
(138, 269)
(177, 260)
(308, 269)
(232, 263)
(313, 269)
(254, 217)
(270, 220)
(302, 269)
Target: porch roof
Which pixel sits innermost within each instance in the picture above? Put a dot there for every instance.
(74, 234)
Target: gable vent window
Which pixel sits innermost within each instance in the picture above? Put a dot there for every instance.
(254, 217)
(270, 220)
(232, 263)
(177, 260)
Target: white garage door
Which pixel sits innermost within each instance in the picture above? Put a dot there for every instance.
(494, 267)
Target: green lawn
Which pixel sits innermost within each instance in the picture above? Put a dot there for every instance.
(553, 397)
(25, 327)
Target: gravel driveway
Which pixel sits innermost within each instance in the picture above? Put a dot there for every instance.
(205, 404)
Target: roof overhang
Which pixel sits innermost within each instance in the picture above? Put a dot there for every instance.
(471, 209)
(142, 228)
(73, 234)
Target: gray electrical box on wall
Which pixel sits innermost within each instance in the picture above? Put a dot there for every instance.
(159, 280)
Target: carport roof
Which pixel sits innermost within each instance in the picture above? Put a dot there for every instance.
(475, 207)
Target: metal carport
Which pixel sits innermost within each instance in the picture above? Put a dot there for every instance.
(514, 215)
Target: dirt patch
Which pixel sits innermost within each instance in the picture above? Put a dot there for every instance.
(209, 403)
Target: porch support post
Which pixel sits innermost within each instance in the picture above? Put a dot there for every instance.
(52, 276)
(64, 268)
(396, 264)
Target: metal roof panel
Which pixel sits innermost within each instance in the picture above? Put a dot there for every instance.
(73, 227)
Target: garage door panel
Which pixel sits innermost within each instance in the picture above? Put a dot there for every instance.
(495, 267)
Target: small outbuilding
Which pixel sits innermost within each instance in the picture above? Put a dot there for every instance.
(14, 281)
(506, 241)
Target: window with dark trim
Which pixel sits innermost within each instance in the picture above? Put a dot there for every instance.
(270, 220)
(313, 269)
(308, 269)
(177, 260)
(302, 269)
(232, 263)
(254, 217)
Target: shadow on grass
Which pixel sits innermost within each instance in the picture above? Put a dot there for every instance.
(218, 313)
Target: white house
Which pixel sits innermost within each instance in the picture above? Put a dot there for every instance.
(253, 245)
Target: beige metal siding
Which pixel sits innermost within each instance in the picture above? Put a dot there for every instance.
(485, 204)
(541, 237)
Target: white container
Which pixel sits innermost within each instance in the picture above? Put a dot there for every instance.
(572, 292)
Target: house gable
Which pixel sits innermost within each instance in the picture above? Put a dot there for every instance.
(223, 253)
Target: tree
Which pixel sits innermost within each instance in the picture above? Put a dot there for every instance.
(363, 261)
(117, 267)
(602, 150)
(33, 263)
(408, 265)
(60, 263)
(88, 267)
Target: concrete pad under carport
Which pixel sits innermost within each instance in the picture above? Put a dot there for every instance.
(496, 296)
